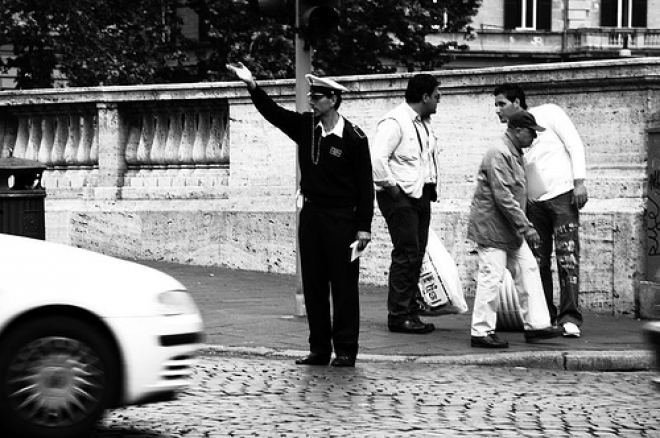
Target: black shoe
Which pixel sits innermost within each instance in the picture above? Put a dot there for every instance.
(343, 361)
(488, 341)
(546, 333)
(414, 326)
(314, 359)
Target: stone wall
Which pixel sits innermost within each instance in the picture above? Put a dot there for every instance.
(240, 211)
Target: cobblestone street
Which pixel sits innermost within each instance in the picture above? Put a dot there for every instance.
(266, 397)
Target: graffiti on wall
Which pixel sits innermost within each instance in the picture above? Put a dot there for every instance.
(653, 208)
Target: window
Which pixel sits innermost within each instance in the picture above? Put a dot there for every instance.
(528, 14)
(623, 13)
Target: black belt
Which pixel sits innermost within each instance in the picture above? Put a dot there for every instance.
(324, 205)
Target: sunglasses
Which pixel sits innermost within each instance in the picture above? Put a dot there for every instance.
(316, 96)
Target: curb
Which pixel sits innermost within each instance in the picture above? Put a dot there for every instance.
(612, 360)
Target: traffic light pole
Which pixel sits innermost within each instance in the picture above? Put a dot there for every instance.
(303, 67)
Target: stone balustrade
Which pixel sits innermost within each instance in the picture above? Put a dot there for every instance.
(90, 144)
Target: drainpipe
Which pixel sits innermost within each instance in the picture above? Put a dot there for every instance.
(564, 36)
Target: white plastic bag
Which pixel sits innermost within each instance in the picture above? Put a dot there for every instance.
(509, 314)
(441, 291)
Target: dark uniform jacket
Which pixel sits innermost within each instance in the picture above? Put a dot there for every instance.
(342, 175)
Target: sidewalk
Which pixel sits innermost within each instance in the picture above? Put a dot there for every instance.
(247, 312)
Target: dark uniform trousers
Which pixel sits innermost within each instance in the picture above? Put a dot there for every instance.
(326, 234)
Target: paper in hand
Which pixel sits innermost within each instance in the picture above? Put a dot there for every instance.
(355, 252)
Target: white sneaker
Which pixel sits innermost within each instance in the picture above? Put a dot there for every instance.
(571, 330)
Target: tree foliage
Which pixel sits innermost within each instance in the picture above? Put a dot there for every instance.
(120, 42)
(91, 42)
(374, 36)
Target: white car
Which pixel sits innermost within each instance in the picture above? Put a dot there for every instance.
(82, 332)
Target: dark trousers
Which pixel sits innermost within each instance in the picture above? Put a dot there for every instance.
(408, 222)
(557, 221)
(325, 236)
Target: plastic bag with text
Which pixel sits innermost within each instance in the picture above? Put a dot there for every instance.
(440, 288)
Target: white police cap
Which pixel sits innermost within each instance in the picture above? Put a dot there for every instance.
(317, 83)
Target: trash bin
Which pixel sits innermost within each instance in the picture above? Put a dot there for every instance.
(22, 198)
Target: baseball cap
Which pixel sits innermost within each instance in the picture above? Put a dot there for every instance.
(523, 119)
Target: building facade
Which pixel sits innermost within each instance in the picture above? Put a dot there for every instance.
(510, 32)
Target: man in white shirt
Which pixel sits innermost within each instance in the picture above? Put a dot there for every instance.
(555, 169)
(403, 159)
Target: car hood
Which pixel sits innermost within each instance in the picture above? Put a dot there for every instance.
(37, 273)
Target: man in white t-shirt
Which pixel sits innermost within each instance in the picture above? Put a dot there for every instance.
(555, 169)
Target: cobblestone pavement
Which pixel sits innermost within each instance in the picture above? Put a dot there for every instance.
(259, 397)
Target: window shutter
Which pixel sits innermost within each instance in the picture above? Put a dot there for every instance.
(608, 13)
(512, 14)
(639, 13)
(544, 15)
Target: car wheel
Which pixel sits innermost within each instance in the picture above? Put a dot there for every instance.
(57, 376)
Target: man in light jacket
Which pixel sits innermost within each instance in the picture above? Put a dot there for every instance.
(501, 230)
(405, 174)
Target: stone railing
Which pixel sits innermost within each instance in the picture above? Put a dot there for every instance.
(574, 41)
(613, 38)
(120, 144)
(63, 137)
(176, 144)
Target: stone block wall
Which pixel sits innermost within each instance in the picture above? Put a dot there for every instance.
(246, 217)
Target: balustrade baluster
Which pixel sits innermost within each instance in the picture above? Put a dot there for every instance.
(187, 137)
(214, 152)
(47, 139)
(72, 139)
(3, 129)
(146, 138)
(86, 139)
(160, 137)
(133, 141)
(94, 148)
(202, 136)
(22, 136)
(59, 142)
(174, 134)
(10, 130)
(34, 138)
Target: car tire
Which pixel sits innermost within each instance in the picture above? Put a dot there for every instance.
(57, 376)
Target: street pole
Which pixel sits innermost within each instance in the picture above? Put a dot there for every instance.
(303, 67)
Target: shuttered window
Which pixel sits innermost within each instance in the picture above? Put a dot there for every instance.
(512, 14)
(639, 11)
(544, 15)
(528, 14)
(623, 13)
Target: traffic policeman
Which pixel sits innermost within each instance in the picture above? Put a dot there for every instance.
(337, 196)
